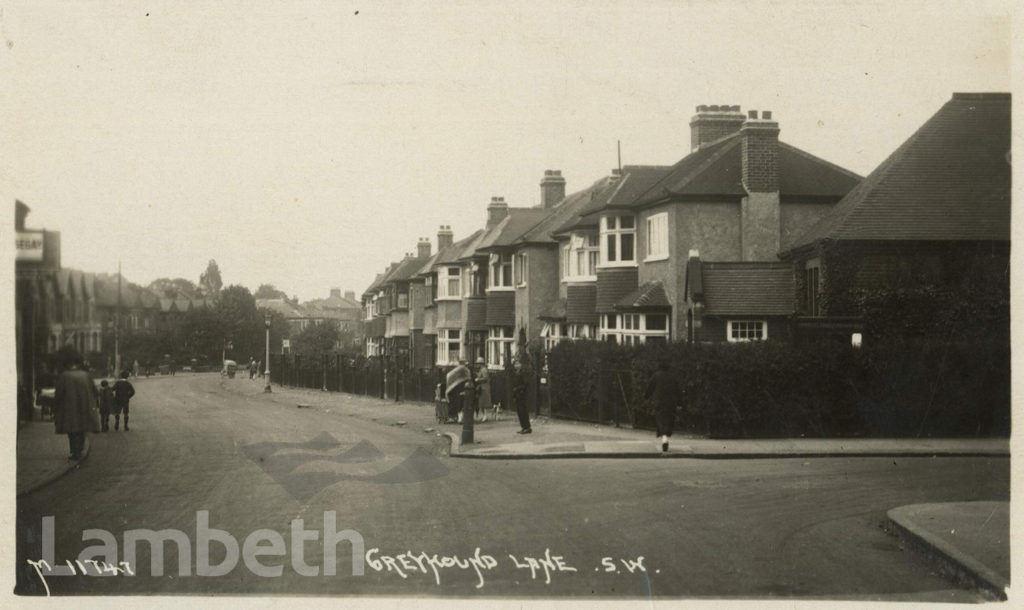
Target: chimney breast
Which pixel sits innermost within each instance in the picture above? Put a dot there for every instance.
(497, 210)
(423, 248)
(713, 123)
(552, 188)
(444, 237)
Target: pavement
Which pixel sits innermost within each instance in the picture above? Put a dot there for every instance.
(968, 540)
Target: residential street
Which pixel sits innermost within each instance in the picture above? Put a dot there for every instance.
(802, 528)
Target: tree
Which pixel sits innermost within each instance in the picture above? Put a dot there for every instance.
(316, 340)
(268, 291)
(210, 282)
(174, 289)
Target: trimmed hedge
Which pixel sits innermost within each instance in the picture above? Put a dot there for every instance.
(775, 389)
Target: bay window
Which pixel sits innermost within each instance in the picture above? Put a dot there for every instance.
(618, 235)
(634, 328)
(500, 275)
(580, 257)
(449, 345)
(449, 280)
(500, 339)
(553, 334)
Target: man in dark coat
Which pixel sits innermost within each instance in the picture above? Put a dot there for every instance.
(665, 391)
(74, 401)
(123, 392)
(520, 383)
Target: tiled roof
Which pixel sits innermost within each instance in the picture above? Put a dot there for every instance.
(501, 309)
(564, 211)
(648, 295)
(555, 311)
(452, 253)
(613, 284)
(407, 268)
(512, 227)
(634, 181)
(716, 170)
(581, 304)
(748, 289)
(948, 181)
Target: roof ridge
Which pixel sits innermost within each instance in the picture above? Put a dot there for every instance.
(817, 159)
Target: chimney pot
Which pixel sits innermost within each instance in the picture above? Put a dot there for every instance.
(767, 115)
(752, 114)
(713, 108)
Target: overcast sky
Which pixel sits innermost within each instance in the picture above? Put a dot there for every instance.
(309, 144)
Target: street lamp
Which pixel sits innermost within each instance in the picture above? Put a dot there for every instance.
(266, 321)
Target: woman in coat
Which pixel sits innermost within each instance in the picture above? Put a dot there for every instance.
(665, 391)
(74, 402)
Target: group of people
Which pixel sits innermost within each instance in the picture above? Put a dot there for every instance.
(79, 407)
(459, 380)
(255, 368)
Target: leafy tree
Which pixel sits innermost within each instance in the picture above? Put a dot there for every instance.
(268, 291)
(173, 289)
(317, 340)
(210, 282)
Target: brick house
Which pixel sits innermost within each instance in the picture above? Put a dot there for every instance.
(739, 196)
(932, 219)
(444, 280)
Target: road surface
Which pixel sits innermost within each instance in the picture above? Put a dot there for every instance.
(213, 461)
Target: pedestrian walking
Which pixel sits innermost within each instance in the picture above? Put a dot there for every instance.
(123, 392)
(135, 368)
(664, 389)
(456, 383)
(75, 403)
(519, 384)
(106, 404)
(483, 389)
(252, 368)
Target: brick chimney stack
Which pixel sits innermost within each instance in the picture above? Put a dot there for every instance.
(444, 237)
(497, 210)
(760, 153)
(760, 214)
(714, 123)
(350, 295)
(336, 292)
(423, 248)
(552, 188)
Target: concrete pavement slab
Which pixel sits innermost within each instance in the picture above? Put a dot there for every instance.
(970, 540)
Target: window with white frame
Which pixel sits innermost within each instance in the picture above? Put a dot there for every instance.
(499, 340)
(618, 237)
(580, 257)
(554, 333)
(739, 331)
(500, 275)
(373, 346)
(580, 331)
(449, 282)
(657, 237)
(812, 287)
(519, 269)
(403, 300)
(634, 328)
(449, 345)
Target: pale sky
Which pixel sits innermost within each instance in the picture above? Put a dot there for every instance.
(309, 144)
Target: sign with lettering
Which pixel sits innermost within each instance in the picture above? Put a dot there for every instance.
(29, 246)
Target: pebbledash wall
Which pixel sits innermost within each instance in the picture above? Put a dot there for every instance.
(541, 289)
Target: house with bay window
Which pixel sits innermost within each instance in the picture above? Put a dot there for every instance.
(738, 197)
(444, 280)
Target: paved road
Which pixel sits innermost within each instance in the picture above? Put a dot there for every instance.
(804, 528)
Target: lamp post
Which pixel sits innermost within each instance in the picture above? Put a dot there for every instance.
(266, 321)
(469, 400)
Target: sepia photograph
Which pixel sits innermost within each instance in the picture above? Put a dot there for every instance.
(507, 303)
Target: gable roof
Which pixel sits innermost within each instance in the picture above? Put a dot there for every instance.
(282, 307)
(450, 254)
(407, 268)
(949, 181)
(748, 289)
